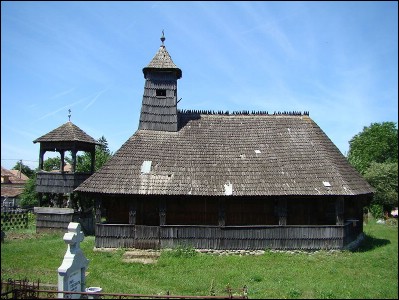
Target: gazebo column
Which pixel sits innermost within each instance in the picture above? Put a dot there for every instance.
(73, 160)
(282, 211)
(162, 212)
(339, 210)
(222, 212)
(132, 212)
(41, 157)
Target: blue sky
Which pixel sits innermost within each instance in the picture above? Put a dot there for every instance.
(337, 60)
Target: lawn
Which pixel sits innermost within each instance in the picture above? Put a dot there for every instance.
(370, 272)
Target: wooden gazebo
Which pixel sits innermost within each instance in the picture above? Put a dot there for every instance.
(67, 137)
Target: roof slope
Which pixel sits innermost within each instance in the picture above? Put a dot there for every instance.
(230, 155)
(66, 133)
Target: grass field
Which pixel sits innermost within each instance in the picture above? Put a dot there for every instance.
(370, 272)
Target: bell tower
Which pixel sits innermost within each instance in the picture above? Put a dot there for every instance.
(159, 106)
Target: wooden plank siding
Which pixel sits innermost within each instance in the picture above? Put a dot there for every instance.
(59, 183)
(228, 238)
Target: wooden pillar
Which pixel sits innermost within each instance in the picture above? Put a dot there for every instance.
(282, 211)
(222, 212)
(162, 212)
(41, 156)
(97, 213)
(132, 211)
(339, 210)
(62, 163)
(74, 160)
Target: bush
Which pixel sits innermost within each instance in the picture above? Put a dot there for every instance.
(377, 211)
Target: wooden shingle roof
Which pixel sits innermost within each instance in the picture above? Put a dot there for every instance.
(67, 132)
(162, 61)
(230, 155)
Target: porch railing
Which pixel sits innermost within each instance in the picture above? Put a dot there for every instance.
(227, 237)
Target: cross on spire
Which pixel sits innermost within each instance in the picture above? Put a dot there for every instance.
(163, 37)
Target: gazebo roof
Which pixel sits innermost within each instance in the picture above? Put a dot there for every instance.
(67, 132)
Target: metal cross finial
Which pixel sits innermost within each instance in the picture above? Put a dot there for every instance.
(163, 37)
(69, 115)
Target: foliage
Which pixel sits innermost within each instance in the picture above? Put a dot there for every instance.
(52, 163)
(374, 153)
(377, 210)
(24, 169)
(371, 272)
(29, 197)
(376, 143)
(384, 178)
(102, 154)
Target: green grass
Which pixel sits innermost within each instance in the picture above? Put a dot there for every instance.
(370, 272)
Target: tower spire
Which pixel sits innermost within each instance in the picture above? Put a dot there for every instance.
(69, 115)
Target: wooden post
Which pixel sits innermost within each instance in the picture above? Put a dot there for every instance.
(62, 153)
(97, 207)
(41, 155)
(74, 161)
(222, 212)
(282, 212)
(132, 211)
(339, 210)
(162, 212)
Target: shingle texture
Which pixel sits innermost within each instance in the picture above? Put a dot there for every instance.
(162, 60)
(230, 155)
(65, 133)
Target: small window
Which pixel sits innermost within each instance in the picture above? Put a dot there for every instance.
(161, 93)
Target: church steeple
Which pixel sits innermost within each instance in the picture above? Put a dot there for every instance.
(159, 106)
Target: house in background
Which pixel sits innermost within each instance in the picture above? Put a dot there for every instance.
(12, 186)
(224, 180)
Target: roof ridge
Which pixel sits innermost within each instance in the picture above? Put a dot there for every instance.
(242, 112)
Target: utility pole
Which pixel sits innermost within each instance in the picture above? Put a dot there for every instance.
(20, 168)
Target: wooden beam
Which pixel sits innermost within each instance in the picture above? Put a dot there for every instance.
(222, 212)
(162, 212)
(132, 211)
(282, 211)
(339, 210)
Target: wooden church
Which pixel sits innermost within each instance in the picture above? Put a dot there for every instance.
(224, 180)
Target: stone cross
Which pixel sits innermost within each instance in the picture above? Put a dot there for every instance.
(71, 273)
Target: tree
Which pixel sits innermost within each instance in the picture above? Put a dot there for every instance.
(376, 143)
(374, 153)
(102, 154)
(24, 169)
(52, 163)
(384, 178)
(29, 197)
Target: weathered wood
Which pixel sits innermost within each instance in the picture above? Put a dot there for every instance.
(228, 237)
(59, 182)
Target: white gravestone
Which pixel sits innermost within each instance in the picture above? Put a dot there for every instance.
(71, 273)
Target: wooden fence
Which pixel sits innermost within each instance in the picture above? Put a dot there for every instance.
(14, 219)
(228, 237)
(58, 219)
